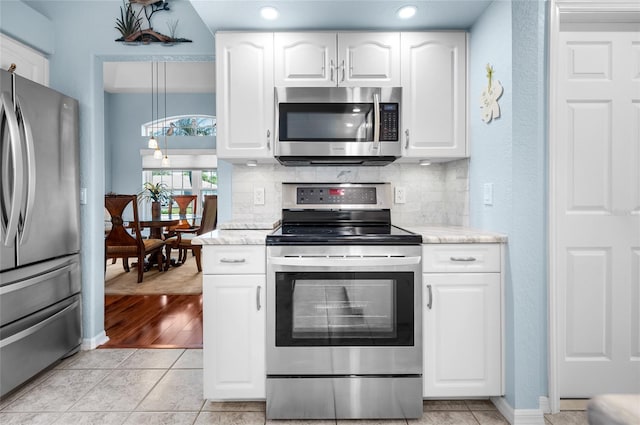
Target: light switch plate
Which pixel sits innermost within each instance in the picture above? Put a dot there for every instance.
(258, 196)
(488, 194)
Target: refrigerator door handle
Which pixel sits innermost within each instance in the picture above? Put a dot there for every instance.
(31, 173)
(6, 105)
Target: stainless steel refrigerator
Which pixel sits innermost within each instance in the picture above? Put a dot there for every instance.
(40, 308)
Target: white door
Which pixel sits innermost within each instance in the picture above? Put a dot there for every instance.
(462, 335)
(369, 59)
(306, 59)
(245, 96)
(596, 180)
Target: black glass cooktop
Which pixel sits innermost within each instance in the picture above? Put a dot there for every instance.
(342, 235)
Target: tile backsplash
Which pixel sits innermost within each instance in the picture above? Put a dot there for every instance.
(437, 194)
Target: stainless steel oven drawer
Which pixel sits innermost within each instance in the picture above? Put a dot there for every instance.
(466, 258)
(348, 397)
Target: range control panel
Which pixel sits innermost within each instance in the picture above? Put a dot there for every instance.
(336, 195)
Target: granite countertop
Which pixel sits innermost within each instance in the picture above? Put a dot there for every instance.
(233, 237)
(456, 234)
(237, 232)
(246, 225)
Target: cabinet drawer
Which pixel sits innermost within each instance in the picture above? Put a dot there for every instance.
(233, 259)
(460, 258)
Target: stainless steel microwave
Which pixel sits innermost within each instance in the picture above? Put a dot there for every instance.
(337, 125)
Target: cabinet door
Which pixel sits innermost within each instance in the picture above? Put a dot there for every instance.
(234, 337)
(30, 64)
(462, 335)
(244, 99)
(306, 59)
(434, 94)
(369, 59)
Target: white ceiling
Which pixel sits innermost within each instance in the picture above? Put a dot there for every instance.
(338, 14)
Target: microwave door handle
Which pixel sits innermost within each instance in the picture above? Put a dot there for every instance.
(376, 127)
(16, 193)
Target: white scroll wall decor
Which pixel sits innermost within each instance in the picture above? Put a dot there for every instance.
(489, 108)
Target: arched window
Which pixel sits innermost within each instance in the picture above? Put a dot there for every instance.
(181, 125)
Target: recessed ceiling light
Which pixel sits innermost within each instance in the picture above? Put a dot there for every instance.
(406, 12)
(269, 13)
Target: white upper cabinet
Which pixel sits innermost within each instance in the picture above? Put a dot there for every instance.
(434, 94)
(350, 59)
(30, 64)
(244, 98)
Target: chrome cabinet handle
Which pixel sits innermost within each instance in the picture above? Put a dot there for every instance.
(332, 68)
(463, 259)
(268, 139)
(232, 260)
(258, 306)
(430, 303)
(406, 138)
(343, 71)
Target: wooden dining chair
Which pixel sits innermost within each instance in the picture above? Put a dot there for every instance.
(182, 240)
(183, 202)
(119, 243)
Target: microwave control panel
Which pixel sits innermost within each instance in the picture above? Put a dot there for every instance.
(389, 122)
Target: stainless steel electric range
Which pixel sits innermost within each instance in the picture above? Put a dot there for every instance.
(343, 306)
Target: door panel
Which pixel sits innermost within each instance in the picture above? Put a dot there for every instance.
(51, 223)
(596, 217)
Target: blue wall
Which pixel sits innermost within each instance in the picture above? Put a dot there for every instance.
(124, 115)
(82, 35)
(510, 152)
(33, 28)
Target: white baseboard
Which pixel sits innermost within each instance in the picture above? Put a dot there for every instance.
(545, 404)
(94, 342)
(518, 416)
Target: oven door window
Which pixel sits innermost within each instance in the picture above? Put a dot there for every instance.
(339, 122)
(344, 309)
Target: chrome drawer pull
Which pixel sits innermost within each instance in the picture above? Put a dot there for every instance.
(232, 260)
(467, 259)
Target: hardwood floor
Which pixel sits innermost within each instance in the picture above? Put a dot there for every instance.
(153, 321)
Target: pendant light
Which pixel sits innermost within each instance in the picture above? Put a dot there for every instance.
(165, 161)
(153, 143)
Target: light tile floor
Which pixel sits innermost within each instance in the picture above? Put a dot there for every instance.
(139, 386)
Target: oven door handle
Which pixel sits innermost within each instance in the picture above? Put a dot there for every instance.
(373, 261)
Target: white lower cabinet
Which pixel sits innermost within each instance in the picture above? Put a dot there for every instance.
(462, 328)
(233, 333)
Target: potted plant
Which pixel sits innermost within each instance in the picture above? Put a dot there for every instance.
(158, 194)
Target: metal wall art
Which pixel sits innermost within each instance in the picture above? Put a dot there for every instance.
(132, 16)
